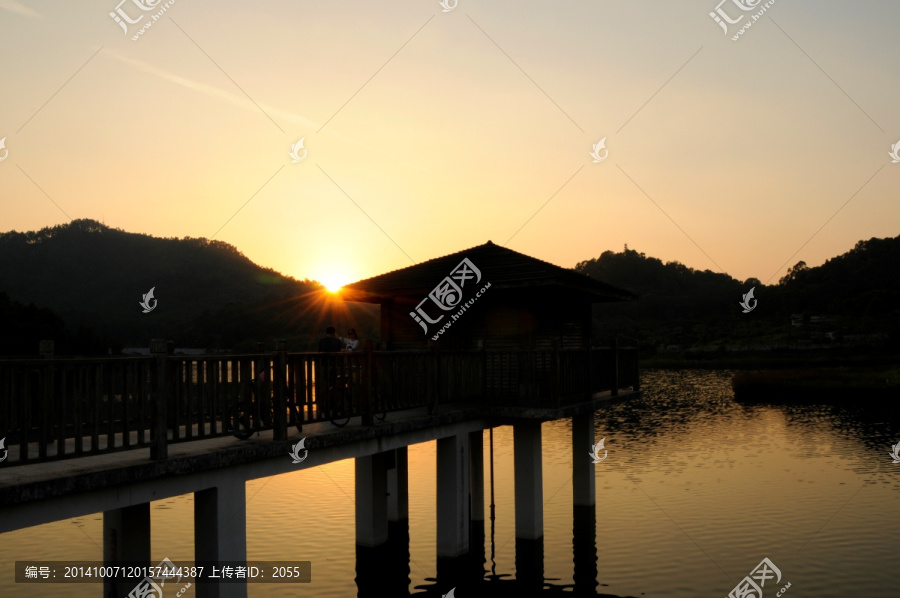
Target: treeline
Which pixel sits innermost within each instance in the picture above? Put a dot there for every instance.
(854, 294)
(80, 284)
(24, 326)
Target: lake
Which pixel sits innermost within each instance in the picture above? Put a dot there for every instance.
(696, 490)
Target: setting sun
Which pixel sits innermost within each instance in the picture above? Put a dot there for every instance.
(334, 280)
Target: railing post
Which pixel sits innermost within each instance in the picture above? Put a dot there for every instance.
(46, 410)
(556, 375)
(615, 380)
(637, 371)
(433, 386)
(590, 371)
(280, 381)
(484, 372)
(159, 448)
(46, 348)
(368, 396)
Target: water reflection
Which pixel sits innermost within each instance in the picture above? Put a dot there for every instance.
(723, 458)
(696, 490)
(384, 570)
(584, 549)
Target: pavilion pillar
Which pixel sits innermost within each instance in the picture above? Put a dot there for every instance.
(126, 537)
(476, 557)
(583, 467)
(220, 533)
(382, 524)
(476, 475)
(371, 500)
(398, 485)
(452, 496)
(528, 480)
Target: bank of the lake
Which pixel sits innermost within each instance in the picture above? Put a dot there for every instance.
(873, 387)
(774, 359)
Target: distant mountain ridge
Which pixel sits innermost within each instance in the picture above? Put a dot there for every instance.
(92, 277)
(859, 290)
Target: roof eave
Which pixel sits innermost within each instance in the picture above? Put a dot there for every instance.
(597, 295)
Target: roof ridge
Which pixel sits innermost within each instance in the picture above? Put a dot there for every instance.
(510, 267)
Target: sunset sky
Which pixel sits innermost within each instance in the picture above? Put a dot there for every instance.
(428, 132)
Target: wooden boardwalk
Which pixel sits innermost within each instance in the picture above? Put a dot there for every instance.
(54, 409)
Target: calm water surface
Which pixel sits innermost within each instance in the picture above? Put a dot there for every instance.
(696, 490)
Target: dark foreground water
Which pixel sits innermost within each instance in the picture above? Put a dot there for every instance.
(695, 492)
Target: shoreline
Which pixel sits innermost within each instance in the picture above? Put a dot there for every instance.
(774, 359)
(871, 387)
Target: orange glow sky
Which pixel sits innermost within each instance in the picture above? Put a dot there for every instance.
(428, 132)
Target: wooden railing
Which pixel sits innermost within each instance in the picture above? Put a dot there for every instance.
(59, 408)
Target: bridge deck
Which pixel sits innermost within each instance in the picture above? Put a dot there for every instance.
(258, 456)
(63, 409)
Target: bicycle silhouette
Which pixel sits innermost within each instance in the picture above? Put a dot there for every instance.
(338, 394)
(339, 388)
(258, 413)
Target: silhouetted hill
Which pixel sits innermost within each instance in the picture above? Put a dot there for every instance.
(856, 293)
(208, 293)
(862, 282)
(677, 304)
(87, 277)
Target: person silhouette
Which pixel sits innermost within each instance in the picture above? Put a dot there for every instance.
(351, 343)
(330, 343)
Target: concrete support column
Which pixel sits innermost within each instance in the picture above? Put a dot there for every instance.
(126, 537)
(528, 480)
(476, 475)
(371, 501)
(452, 496)
(398, 484)
(583, 468)
(220, 533)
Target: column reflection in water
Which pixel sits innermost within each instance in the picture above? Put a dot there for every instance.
(466, 572)
(477, 556)
(584, 548)
(384, 570)
(530, 564)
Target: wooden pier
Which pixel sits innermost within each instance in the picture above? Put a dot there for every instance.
(56, 408)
